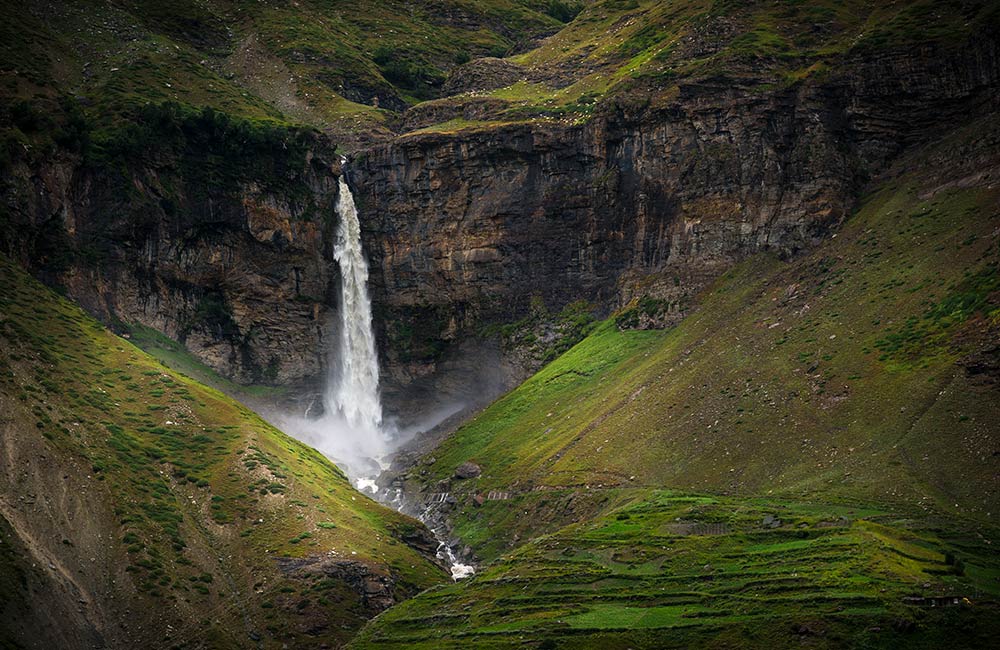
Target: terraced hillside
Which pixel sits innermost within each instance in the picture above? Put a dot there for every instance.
(673, 570)
(139, 508)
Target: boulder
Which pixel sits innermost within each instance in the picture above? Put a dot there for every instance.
(468, 470)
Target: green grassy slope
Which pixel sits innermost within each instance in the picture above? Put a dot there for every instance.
(184, 497)
(176, 357)
(850, 393)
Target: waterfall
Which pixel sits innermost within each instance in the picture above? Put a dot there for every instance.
(353, 391)
(350, 430)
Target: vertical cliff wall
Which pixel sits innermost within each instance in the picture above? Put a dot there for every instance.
(214, 232)
(649, 197)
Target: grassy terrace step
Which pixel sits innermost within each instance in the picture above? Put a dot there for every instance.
(201, 496)
(614, 581)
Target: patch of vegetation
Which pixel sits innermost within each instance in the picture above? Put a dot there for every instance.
(647, 312)
(974, 296)
(542, 335)
(418, 333)
(212, 314)
(419, 81)
(212, 147)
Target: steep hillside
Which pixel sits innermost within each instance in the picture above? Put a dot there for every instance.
(644, 51)
(139, 508)
(864, 370)
(336, 65)
(828, 422)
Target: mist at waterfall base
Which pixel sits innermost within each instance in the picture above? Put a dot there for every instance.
(351, 428)
(362, 452)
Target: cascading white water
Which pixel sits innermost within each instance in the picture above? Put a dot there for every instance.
(351, 430)
(353, 393)
(354, 390)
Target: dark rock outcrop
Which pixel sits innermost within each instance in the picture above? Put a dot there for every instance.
(377, 590)
(468, 470)
(487, 73)
(435, 112)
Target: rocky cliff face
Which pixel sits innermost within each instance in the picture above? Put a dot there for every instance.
(655, 195)
(647, 198)
(235, 265)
